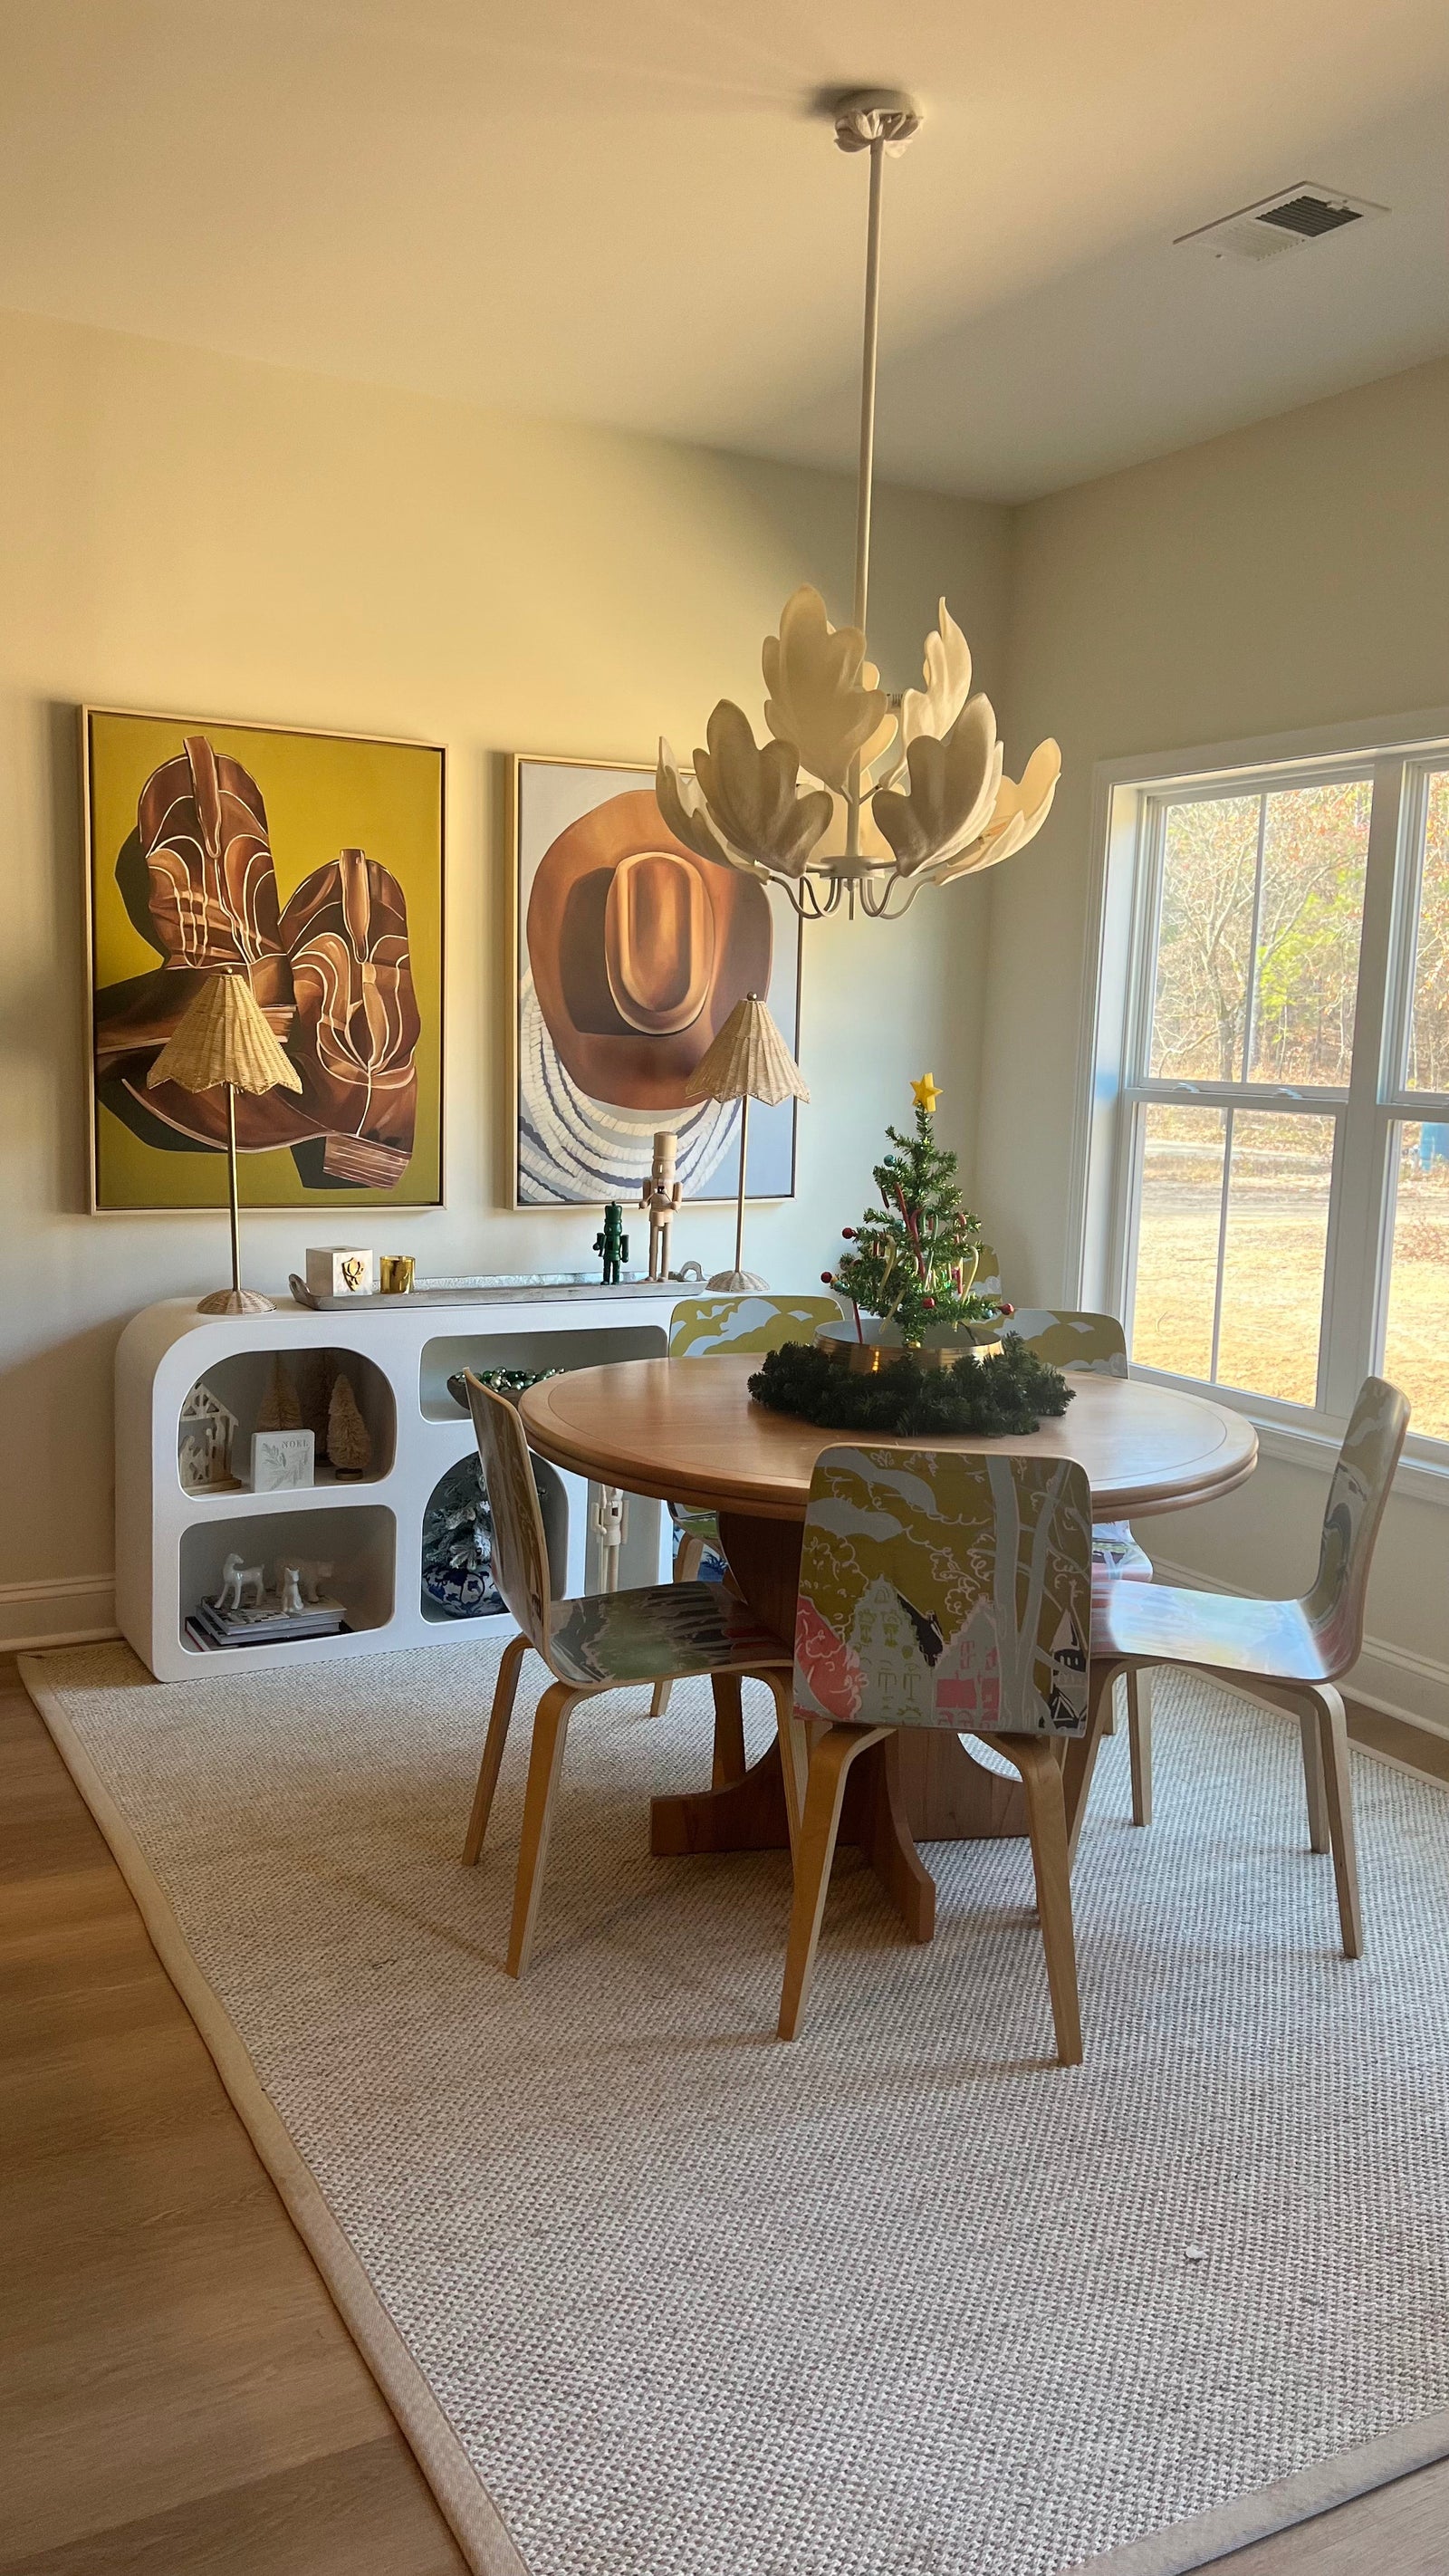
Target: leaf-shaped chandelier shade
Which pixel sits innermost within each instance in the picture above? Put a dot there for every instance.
(850, 796)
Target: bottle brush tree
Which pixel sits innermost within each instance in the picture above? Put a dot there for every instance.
(912, 1261)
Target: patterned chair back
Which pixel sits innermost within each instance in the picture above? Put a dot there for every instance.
(987, 1281)
(1361, 1483)
(701, 1327)
(938, 1588)
(1072, 1341)
(520, 1550)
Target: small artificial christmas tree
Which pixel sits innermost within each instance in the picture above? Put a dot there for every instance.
(913, 1263)
(281, 1410)
(349, 1442)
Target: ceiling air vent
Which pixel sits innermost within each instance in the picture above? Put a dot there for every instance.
(1303, 213)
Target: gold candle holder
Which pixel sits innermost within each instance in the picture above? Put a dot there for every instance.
(395, 1273)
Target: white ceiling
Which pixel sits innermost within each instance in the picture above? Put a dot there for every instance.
(620, 210)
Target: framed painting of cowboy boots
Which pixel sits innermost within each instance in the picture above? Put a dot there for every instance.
(312, 864)
(627, 954)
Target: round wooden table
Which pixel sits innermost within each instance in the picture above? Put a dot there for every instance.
(686, 1431)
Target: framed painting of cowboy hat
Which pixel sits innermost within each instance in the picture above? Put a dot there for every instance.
(628, 954)
(312, 864)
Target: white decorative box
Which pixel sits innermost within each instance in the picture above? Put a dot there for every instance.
(282, 1459)
(339, 1273)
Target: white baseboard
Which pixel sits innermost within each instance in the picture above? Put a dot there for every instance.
(1386, 1677)
(61, 1610)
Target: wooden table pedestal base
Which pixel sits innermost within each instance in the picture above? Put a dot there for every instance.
(920, 1785)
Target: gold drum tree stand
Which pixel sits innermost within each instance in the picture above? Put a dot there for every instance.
(224, 1037)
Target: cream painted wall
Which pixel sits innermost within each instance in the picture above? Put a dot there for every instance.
(186, 532)
(1291, 575)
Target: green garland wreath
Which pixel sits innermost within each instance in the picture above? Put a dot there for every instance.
(1006, 1393)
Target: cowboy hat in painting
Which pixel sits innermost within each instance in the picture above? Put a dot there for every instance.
(639, 950)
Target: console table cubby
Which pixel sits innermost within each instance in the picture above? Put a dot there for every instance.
(171, 1543)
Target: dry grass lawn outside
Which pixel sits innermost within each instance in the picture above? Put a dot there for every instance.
(1273, 1289)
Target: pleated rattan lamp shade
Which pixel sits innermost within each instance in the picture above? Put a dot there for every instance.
(224, 1037)
(749, 1060)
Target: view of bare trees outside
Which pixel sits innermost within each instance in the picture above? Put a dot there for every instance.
(1257, 960)
(1303, 965)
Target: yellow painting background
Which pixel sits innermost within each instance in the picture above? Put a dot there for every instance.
(323, 793)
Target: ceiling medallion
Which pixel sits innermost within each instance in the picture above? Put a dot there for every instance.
(851, 796)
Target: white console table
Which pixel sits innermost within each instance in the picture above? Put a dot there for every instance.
(170, 1543)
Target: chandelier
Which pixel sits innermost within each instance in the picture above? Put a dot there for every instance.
(852, 796)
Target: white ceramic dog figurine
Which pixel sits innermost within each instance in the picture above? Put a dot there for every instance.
(241, 1585)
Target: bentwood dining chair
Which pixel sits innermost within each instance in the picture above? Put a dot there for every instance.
(701, 1328)
(1097, 1343)
(938, 1588)
(605, 1641)
(1289, 1653)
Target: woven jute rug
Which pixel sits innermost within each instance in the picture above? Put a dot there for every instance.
(655, 2295)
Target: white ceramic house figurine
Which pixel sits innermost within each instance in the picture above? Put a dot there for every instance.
(660, 1196)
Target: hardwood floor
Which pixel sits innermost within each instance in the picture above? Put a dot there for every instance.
(179, 2392)
(181, 2397)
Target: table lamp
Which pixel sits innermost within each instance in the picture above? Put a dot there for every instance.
(224, 1037)
(749, 1060)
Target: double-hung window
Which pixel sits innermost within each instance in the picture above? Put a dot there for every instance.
(1272, 1182)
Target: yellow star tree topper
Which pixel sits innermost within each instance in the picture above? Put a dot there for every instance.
(926, 1093)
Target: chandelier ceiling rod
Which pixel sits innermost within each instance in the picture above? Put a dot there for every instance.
(868, 364)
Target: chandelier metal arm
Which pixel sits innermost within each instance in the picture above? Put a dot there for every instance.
(880, 910)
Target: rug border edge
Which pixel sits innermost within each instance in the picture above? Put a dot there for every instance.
(461, 2497)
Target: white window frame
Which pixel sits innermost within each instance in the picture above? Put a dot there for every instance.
(1128, 800)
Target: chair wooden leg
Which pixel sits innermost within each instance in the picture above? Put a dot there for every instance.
(1338, 1797)
(1047, 1825)
(794, 1751)
(505, 1692)
(688, 1559)
(1318, 1834)
(1082, 1750)
(550, 1727)
(830, 1762)
(1139, 1742)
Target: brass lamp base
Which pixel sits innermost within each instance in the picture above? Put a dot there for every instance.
(236, 1301)
(740, 1281)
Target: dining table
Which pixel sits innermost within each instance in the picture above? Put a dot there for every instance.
(688, 1431)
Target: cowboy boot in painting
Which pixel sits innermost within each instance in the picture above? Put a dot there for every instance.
(211, 901)
(357, 1026)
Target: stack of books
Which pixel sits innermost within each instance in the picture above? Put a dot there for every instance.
(265, 1625)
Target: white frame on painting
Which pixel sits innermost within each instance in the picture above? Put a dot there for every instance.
(565, 1147)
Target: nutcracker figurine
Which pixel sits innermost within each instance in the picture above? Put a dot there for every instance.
(660, 1196)
(613, 1243)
